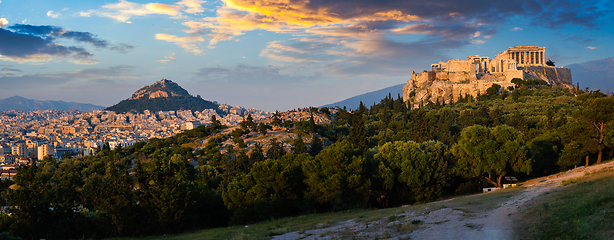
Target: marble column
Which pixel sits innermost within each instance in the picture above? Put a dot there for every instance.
(532, 57)
(543, 56)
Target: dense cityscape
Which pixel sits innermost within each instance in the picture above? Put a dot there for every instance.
(28, 135)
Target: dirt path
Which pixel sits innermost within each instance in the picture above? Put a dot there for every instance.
(446, 222)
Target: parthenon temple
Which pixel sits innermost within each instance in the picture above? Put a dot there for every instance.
(514, 58)
(455, 78)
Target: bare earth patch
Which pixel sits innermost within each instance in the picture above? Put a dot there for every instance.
(449, 219)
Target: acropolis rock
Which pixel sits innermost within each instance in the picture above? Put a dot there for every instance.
(448, 81)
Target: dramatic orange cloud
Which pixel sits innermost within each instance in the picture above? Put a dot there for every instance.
(304, 13)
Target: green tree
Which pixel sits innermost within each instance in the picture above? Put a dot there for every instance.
(249, 122)
(262, 128)
(325, 111)
(337, 177)
(215, 124)
(492, 152)
(598, 112)
(577, 137)
(273, 188)
(550, 63)
(276, 149)
(571, 155)
(358, 134)
(493, 90)
(316, 145)
(112, 193)
(256, 155)
(418, 168)
(313, 128)
(172, 198)
(546, 150)
(276, 120)
(298, 146)
(519, 82)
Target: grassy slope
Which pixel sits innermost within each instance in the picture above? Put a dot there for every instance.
(468, 204)
(583, 209)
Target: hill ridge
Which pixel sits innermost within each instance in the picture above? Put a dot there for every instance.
(25, 104)
(163, 95)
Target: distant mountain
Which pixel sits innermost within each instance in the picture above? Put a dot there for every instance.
(597, 74)
(369, 98)
(24, 104)
(164, 95)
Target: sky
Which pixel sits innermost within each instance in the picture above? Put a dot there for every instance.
(273, 54)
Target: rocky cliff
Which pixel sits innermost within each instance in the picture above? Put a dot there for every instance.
(448, 87)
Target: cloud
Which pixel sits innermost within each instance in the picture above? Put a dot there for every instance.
(251, 75)
(446, 18)
(167, 59)
(22, 47)
(53, 15)
(517, 29)
(3, 22)
(29, 43)
(372, 57)
(450, 31)
(119, 72)
(8, 71)
(122, 47)
(591, 48)
(123, 11)
(193, 6)
(188, 43)
(51, 32)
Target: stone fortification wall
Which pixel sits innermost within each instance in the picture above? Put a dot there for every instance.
(553, 75)
(459, 65)
(511, 74)
(455, 77)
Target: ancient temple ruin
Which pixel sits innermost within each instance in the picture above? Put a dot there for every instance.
(447, 81)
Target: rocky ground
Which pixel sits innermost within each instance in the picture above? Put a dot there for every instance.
(438, 221)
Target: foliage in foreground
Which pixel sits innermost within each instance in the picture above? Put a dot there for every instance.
(381, 157)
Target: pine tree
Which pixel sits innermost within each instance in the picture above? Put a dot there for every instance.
(262, 128)
(298, 146)
(358, 134)
(312, 125)
(250, 122)
(276, 151)
(316, 145)
(215, 124)
(276, 121)
(256, 155)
